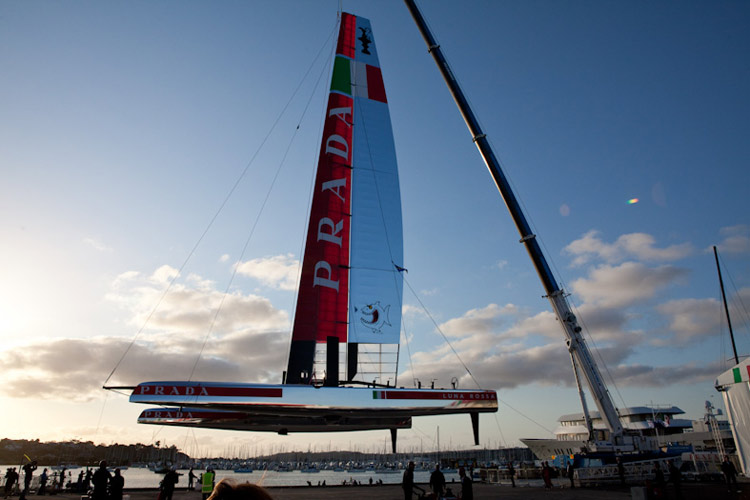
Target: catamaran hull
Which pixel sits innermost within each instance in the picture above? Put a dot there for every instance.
(304, 405)
(240, 421)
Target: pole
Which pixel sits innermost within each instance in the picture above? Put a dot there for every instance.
(726, 307)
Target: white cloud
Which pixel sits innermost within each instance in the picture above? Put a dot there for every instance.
(96, 244)
(634, 245)
(253, 334)
(690, 320)
(509, 347)
(410, 310)
(736, 240)
(506, 356)
(191, 307)
(164, 275)
(483, 320)
(278, 271)
(625, 285)
(543, 323)
(638, 375)
(74, 369)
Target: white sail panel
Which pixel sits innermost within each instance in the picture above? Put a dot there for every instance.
(376, 245)
(376, 285)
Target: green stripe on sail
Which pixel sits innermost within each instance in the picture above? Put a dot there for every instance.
(341, 80)
(376, 395)
(736, 373)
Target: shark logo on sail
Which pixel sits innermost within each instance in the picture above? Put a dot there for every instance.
(374, 316)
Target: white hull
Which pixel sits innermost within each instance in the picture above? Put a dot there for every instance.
(300, 408)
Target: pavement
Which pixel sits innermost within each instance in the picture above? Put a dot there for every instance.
(690, 491)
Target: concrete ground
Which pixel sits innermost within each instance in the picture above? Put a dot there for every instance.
(690, 491)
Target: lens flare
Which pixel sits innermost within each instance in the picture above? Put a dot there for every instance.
(632, 201)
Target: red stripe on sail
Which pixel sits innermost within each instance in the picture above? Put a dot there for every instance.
(463, 396)
(375, 87)
(346, 41)
(324, 286)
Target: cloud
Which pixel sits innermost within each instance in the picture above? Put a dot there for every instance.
(164, 275)
(634, 245)
(74, 369)
(625, 285)
(503, 365)
(191, 307)
(96, 244)
(736, 240)
(253, 342)
(690, 320)
(543, 323)
(279, 271)
(637, 375)
(481, 320)
(620, 311)
(501, 358)
(411, 310)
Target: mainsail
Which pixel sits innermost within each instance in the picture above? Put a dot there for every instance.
(351, 285)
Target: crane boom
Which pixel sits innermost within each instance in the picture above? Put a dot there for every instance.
(575, 341)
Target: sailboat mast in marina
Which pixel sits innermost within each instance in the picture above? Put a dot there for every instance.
(350, 294)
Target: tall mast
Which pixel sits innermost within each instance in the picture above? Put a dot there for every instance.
(726, 307)
(576, 344)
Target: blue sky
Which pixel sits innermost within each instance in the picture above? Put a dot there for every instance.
(125, 126)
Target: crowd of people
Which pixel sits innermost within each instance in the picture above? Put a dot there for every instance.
(101, 484)
(106, 486)
(437, 484)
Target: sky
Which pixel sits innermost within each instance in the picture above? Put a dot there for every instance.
(126, 129)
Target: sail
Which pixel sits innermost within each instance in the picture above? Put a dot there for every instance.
(350, 287)
(376, 234)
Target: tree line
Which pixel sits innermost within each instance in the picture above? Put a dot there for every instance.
(75, 452)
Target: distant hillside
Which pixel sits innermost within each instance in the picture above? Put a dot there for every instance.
(12, 451)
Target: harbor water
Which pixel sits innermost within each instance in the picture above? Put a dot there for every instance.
(138, 477)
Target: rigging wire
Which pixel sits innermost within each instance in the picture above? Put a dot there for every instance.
(393, 270)
(532, 226)
(217, 213)
(463, 364)
(101, 414)
(737, 296)
(558, 276)
(599, 355)
(441, 333)
(500, 430)
(326, 68)
(243, 251)
(408, 351)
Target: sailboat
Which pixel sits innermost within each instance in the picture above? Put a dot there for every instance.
(350, 293)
